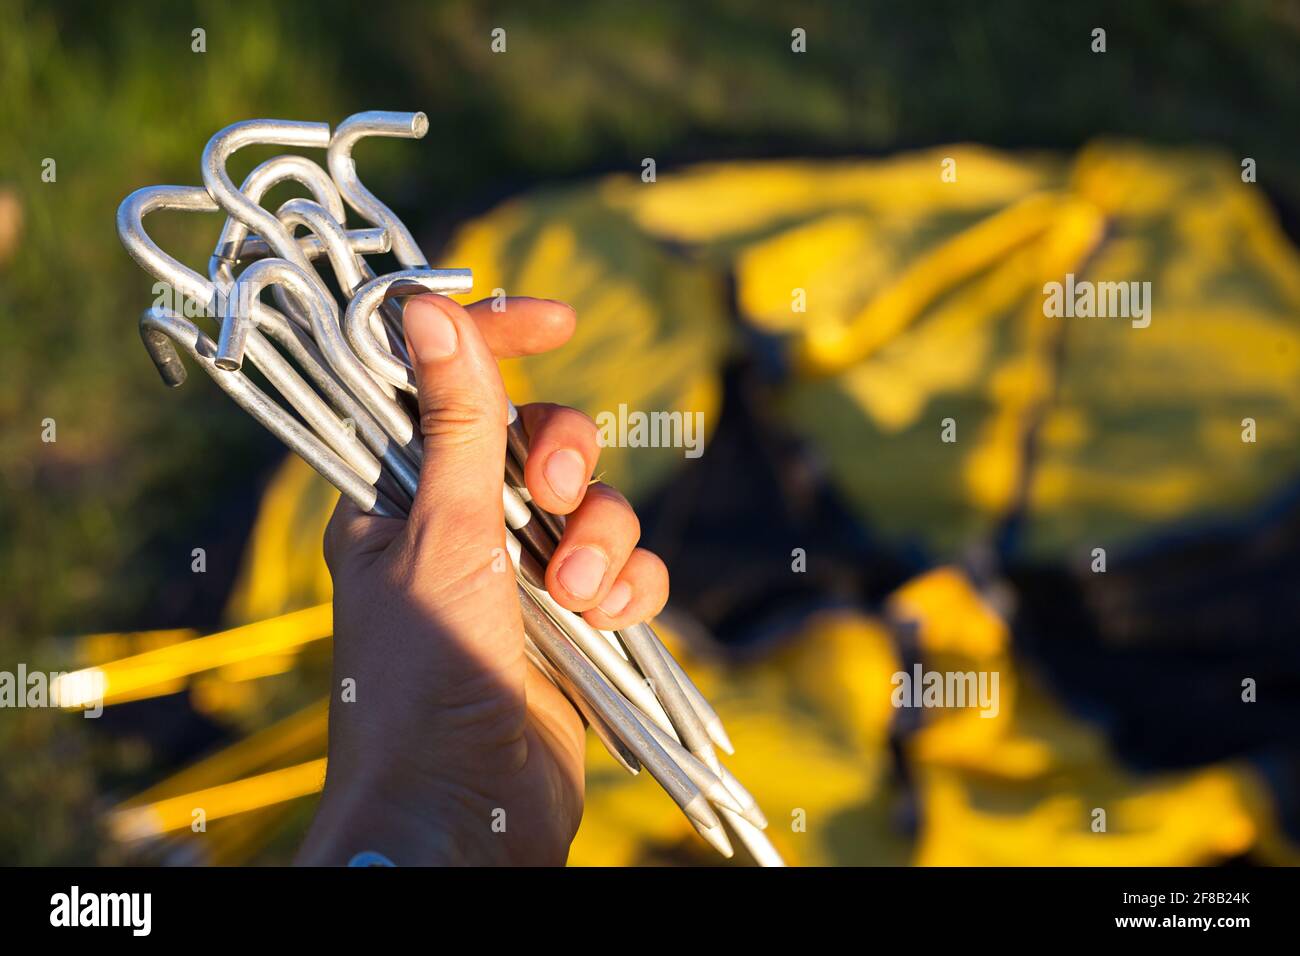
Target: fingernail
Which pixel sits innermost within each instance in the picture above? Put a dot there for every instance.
(617, 599)
(582, 572)
(566, 473)
(429, 332)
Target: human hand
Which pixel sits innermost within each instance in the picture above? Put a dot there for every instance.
(452, 729)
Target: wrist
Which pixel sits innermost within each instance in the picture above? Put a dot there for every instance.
(426, 826)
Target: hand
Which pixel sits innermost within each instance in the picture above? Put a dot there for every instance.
(457, 749)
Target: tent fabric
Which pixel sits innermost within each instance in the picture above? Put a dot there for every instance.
(895, 300)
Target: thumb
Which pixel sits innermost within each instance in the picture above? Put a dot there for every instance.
(462, 421)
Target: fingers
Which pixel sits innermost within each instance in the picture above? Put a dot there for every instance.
(638, 594)
(522, 326)
(462, 420)
(597, 568)
(563, 449)
(598, 538)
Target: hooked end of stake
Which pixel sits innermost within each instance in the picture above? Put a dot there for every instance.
(165, 358)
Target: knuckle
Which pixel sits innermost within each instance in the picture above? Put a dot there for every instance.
(621, 510)
(608, 493)
(654, 580)
(332, 544)
(660, 602)
(580, 419)
(537, 414)
(587, 428)
(341, 543)
(664, 589)
(654, 585)
(653, 567)
(331, 556)
(451, 413)
(634, 525)
(607, 516)
(565, 419)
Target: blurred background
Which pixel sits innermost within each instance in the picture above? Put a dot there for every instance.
(828, 538)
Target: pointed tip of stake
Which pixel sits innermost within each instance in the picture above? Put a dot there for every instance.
(698, 809)
(628, 762)
(716, 837)
(750, 811)
(754, 815)
(720, 796)
(710, 759)
(718, 734)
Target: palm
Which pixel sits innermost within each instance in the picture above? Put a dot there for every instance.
(458, 639)
(549, 789)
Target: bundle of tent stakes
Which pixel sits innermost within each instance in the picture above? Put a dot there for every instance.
(345, 372)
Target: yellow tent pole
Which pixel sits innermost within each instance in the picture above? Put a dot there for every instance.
(213, 803)
(142, 675)
(300, 734)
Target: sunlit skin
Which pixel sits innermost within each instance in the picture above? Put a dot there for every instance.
(456, 749)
